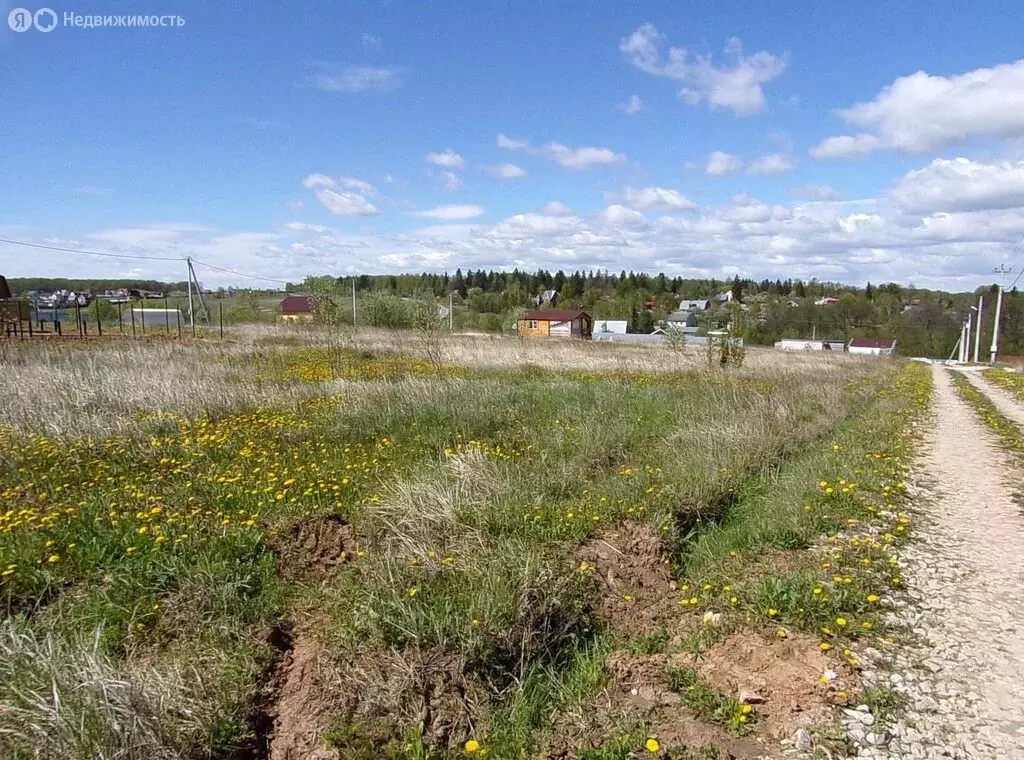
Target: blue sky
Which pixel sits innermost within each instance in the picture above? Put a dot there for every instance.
(776, 140)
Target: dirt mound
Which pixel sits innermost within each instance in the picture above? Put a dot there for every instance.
(638, 693)
(324, 707)
(314, 546)
(633, 576)
(785, 673)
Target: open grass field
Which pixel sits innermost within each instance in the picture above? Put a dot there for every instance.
(302, 544)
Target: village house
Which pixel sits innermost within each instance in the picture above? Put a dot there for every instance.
(873, 346)
(695, 304)
(687, 320)
(555, 323)
(813, 344)
(296, 309)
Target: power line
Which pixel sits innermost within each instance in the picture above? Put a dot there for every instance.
(239, 273)
(136, 257)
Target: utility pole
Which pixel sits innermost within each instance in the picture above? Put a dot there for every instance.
(1000, 270)
(977, 330)
(191, 312)
(967, 337)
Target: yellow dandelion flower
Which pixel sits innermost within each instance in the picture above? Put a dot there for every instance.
(471, 746)
(651, 745)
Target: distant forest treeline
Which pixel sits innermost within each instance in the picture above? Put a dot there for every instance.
(924, 322)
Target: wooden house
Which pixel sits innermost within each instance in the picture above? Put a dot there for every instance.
(555, 323)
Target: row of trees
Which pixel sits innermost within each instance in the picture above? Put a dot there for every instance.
(924, 322)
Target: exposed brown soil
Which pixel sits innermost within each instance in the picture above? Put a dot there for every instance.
(300, 714)
(315, 546)
(785, 673)
(368, 702)
(782, 674)
(634, 578)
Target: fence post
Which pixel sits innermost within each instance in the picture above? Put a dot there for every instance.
(167, 322)
(221, 311)
(178, 315)
(99, 321)
(142, 316)
(131, 311)
(120, 324)
(78, 318)
(56, 326)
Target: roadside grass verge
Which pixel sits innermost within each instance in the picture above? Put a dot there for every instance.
(1008, 381)
(841, 500)
(1011, 437)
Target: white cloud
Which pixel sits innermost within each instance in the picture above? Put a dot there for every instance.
(571, 158)
(632, 106)
(452, 211)
(452, 181)
(345, 196)
(581, 158)
(815, 192)
(944, 225)
(317, 229)
(532, 226)
(845, 146)
(447, 158)
(509, 144)
(351, 183)
(773, 163)
(342, 203)
(616, 214)
(657, 198)
(961, 185)
(720, 163)
(294, 205)
(333, 78)
(506, 171)
(736, 84)
(554, 208)
(920, 112)
(370, 41)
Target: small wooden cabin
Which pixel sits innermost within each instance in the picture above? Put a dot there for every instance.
(555, 323)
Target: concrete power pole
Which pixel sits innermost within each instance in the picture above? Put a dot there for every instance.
(965, 345)
(191, 311)
(1000, 270)
(977, 329)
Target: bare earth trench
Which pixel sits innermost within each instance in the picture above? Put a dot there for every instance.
(964, 676)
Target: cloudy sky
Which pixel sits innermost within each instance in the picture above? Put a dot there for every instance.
(870, 141)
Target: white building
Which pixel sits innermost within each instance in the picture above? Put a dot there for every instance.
(803, 344)
(873, 346)
(617, 326)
